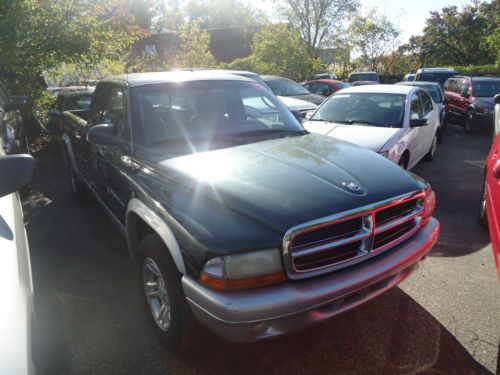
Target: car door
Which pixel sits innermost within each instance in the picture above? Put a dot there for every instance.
(86, 153)
(493, 199)
(450, 94)
(463, 97)
(416, 134)
(429, 113)
(116, 162)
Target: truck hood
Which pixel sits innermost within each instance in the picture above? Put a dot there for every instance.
(284, 182)
(297, 104)
(370, 137)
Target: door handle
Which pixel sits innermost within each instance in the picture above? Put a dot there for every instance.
(130, 163)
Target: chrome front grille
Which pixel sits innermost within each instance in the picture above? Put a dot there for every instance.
(341, 240)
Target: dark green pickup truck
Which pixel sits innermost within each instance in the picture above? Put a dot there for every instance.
(235, 215)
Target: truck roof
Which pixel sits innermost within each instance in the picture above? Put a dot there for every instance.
(139, 79)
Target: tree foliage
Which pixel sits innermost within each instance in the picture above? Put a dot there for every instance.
(40, 35)
(322, 23)
(373, 35)
(459, 37)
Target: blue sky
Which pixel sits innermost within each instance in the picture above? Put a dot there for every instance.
(409, 15)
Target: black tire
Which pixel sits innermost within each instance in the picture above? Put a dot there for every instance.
(482, 218)
(80, 192)
(439, 136)
(432, 150)
(176, 335)
(403, 161)
(469, 125)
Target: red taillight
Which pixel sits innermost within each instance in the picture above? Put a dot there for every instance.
(429, 204)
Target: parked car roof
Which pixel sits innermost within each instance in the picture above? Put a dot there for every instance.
(138, 79)
(386, 89)
(435, 70)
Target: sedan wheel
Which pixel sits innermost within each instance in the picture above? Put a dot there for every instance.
(156, 294)
(432, 150)
(469, 122)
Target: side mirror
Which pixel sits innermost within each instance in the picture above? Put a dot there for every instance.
(17, 171)
(104, 134)
(54, 113)
(464, 94)
(297, 115)
(416, 122)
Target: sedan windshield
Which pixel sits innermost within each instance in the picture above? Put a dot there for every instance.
(363, 77)
(486, 88)
(286, 87)
(373, 109)
(207, 110)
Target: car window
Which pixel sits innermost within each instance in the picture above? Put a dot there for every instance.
(114, 111)
(77, 102)
(447, 84)
(415, 107)
(426, 102)
(373, 109)
(97, 104)
(320, 88)
(486, 88)
(434, 92)
(454, 86)
(286, 87)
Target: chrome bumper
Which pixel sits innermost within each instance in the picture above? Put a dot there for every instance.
(257, 314)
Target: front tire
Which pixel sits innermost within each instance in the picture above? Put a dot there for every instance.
(432, 150)
(167, 309)
(469, 122)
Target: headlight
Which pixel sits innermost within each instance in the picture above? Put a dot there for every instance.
(429, 204)
(243, 271)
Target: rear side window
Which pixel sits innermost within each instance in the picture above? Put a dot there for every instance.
(415, 107)
(454, 86)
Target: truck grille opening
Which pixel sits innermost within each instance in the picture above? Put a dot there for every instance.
(337, 242)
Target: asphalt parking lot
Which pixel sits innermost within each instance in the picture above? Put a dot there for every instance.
(444, 319)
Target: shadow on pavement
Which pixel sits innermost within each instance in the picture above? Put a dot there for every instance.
(458, 197)
(91, 316)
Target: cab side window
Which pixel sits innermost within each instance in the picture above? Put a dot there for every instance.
(114, 111)
(415, 107)
(97, 104)
(426, 102)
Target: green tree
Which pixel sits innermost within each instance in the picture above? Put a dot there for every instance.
(279, 49)
(373, 35)
(37, 36)
(460, 37)
(321, 22)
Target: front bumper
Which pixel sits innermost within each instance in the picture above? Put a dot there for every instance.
(257, 314)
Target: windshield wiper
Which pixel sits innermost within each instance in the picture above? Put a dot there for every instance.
(258, 132)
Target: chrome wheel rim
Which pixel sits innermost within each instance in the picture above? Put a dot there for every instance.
(156, 294)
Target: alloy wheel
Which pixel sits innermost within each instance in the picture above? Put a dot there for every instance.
(156, 294)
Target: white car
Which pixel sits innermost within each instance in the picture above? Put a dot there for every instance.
(398, 122)
(16, 288)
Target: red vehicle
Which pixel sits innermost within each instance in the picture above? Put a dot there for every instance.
(489, 212)
(325, 87)
(471, 98)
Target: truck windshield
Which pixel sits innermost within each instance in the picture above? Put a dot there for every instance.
(363, 77)
(373, 109)
(207, 110)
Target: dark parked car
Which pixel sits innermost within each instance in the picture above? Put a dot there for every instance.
(471, 99)
(234, 214)
(68, 100)
(363, 76)
(364, 83)
(288, 88)
(13, 133)
(436, 92)
(439, 75)
(325, 87)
